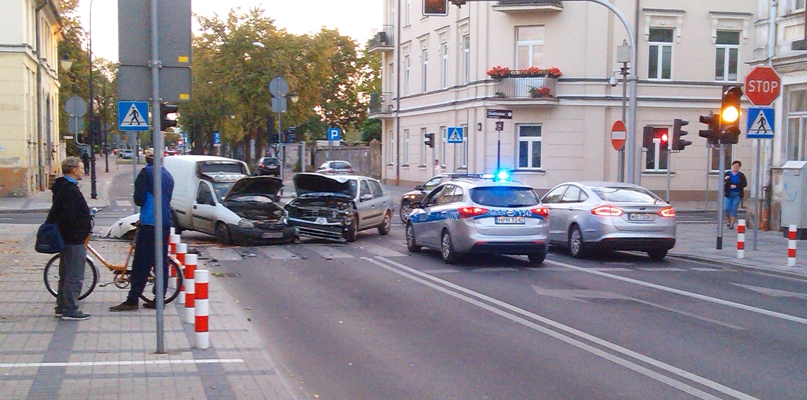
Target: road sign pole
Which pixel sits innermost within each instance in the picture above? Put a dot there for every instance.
(157, 176)
(757, 189)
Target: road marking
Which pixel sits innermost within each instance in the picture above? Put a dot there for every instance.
(123, 203)
(685, 293)
(330, 252)
(515, 314)
(114, 363)
(706, 269)
(278, 253)
(772, 292)
(382, 251)
(614, 269)
(224, 254)
(499, 269)
(663, 269)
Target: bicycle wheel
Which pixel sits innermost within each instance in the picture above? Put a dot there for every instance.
(52, 277)
(172, 292)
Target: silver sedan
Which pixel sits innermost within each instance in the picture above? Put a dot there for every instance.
(607, 216)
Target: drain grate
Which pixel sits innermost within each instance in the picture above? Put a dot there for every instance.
(226, 274)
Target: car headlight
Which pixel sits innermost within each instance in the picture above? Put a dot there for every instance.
(410, 197)
(246, 224)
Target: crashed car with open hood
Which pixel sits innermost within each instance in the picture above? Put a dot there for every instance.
(216, 195)
(338, 207)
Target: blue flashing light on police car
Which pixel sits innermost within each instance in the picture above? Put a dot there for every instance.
(502, 175)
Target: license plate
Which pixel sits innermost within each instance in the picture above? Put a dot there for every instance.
(504, 220)
(272, 235)
(641, 217)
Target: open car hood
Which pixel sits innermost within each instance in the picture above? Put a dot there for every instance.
(306, 184)
(262, 185)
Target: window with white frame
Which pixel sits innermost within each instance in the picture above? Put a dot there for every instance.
(444, 145)
(529, 46)
(423, 147)
(424, 58)
(797, 125)
(727, 50)
(655, 157)
(444, 62)
(466, 58)
(407, 12)
(391, 83)
(714, 157)
(529, 146)
(659, 63)
(391, 147)
(406, 147)
(407, 73)
(390, 12)
(798, 5)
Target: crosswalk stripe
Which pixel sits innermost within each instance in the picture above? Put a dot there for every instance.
(278, 253)
(225, 254)
(663, 269)
(382, 251)
(330, 252)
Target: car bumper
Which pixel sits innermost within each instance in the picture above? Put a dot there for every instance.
(468, 240)
(509, 247)
(331, 231)
(260, 236)
(633, 243)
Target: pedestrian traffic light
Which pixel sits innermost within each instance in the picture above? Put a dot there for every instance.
(712, 131)
(664, 140)
(651, 134)
(430, 140)
(677, 142)
(435, 7)
(647, 137)
(166, 109)
(730, 115)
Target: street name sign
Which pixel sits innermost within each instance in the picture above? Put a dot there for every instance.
(501, 114)
(762, 85)
(133, 115)
(760, 123)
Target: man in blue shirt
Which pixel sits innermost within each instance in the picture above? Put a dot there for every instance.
(734, 184)
(144, 247)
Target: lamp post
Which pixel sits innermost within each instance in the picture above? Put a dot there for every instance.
(91, 142)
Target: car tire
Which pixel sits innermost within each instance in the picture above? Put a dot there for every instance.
(223, 234)
(411, 242)
(657, 254)
(386, 225)
(352, 230)
(536, 258)
(447, 249)
(576, 244)
(175, 223)
(406, 209)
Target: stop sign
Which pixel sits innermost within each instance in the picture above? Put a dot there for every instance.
(762, 85)
(618, 135)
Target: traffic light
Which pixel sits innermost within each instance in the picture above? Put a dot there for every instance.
(664, 140)
(647, 138)
(429, 140)
(435, 7)
(730, 115)
(712, 131)
(166, 109)
(650, 134)
(677, 142)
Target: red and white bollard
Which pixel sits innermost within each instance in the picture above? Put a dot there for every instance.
(741, 238)
(181, 250)
(172, 244)
(190, 287)
(202, 309)
(791, 246)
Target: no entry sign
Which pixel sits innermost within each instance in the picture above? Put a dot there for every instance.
(618, 135)
(762, 85)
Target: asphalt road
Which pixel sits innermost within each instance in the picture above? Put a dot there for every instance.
(369, 320)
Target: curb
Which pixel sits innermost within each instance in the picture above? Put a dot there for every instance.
(774, 271)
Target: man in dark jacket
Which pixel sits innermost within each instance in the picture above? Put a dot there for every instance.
(144, 247)
(72, 215)
(734, 184)
(85, 158)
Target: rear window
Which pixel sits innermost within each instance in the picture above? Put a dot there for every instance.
(270, 161)
(626, 195)
(501, 196)
(222, 167)
(341, 165)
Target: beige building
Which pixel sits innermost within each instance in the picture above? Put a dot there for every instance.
(29, 95)
(435, 76)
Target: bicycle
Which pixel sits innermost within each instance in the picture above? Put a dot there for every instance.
(121, 274)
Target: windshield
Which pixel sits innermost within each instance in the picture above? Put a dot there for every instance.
(626, 195)
(221, 189)
(503, 196)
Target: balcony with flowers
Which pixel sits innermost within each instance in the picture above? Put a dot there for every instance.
(529, 83)
(528, 6)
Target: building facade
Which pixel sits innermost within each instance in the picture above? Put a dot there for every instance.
(29, 96)
(565, 88)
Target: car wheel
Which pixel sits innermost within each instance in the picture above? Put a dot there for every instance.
(447, 249)
(352, 230)
(386, 225)
(406, 209)
(657, 254)
(223, 234)
(175, 224)
(411, 243)
(536, 258)
(576, 244)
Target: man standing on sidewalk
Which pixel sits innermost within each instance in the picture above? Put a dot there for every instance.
(144, 247)
(72, 216)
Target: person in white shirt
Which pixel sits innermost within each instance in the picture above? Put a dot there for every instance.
(437, 169)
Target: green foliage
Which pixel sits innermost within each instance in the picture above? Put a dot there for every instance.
(371, 129)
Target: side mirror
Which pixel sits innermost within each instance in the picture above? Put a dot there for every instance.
(94, 211)
(366, 197)
(419, 187)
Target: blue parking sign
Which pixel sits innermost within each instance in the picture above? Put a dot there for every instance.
(334, 133)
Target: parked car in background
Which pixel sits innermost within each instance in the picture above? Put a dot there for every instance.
(479, 215)
(608, 216)
(125, 154)
(338, 207)
(336, 167)
(171, 153)
(415, 196)
(269, 166)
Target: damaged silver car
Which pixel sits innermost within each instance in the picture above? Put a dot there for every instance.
(338, 207)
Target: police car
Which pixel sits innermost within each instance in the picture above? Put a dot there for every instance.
(480, 215)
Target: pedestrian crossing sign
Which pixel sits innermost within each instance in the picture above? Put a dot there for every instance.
(454, 134)
(760, 123)
(133, 115)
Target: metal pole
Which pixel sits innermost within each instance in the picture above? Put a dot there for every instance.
(158, 148)
(106, 145)
(134, 161)
(708, 167)
(279, 144)
(669, 167)
(498, 150)
(758, 190)
(722, 170)
(93, 191)
(624, 74)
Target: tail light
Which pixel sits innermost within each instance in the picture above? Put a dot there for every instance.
(350, 171)
(540, 211)
(330, 171)
(470, 212)
(607, 211)
(667, 212)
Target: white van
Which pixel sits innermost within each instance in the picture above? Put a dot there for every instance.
(216, 195)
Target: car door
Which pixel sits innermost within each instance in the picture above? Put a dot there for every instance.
(369, 211)
(571, 210)
(204, 209)
(427, 224)
(382, 199)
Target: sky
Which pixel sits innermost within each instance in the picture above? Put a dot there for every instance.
(359, 19)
